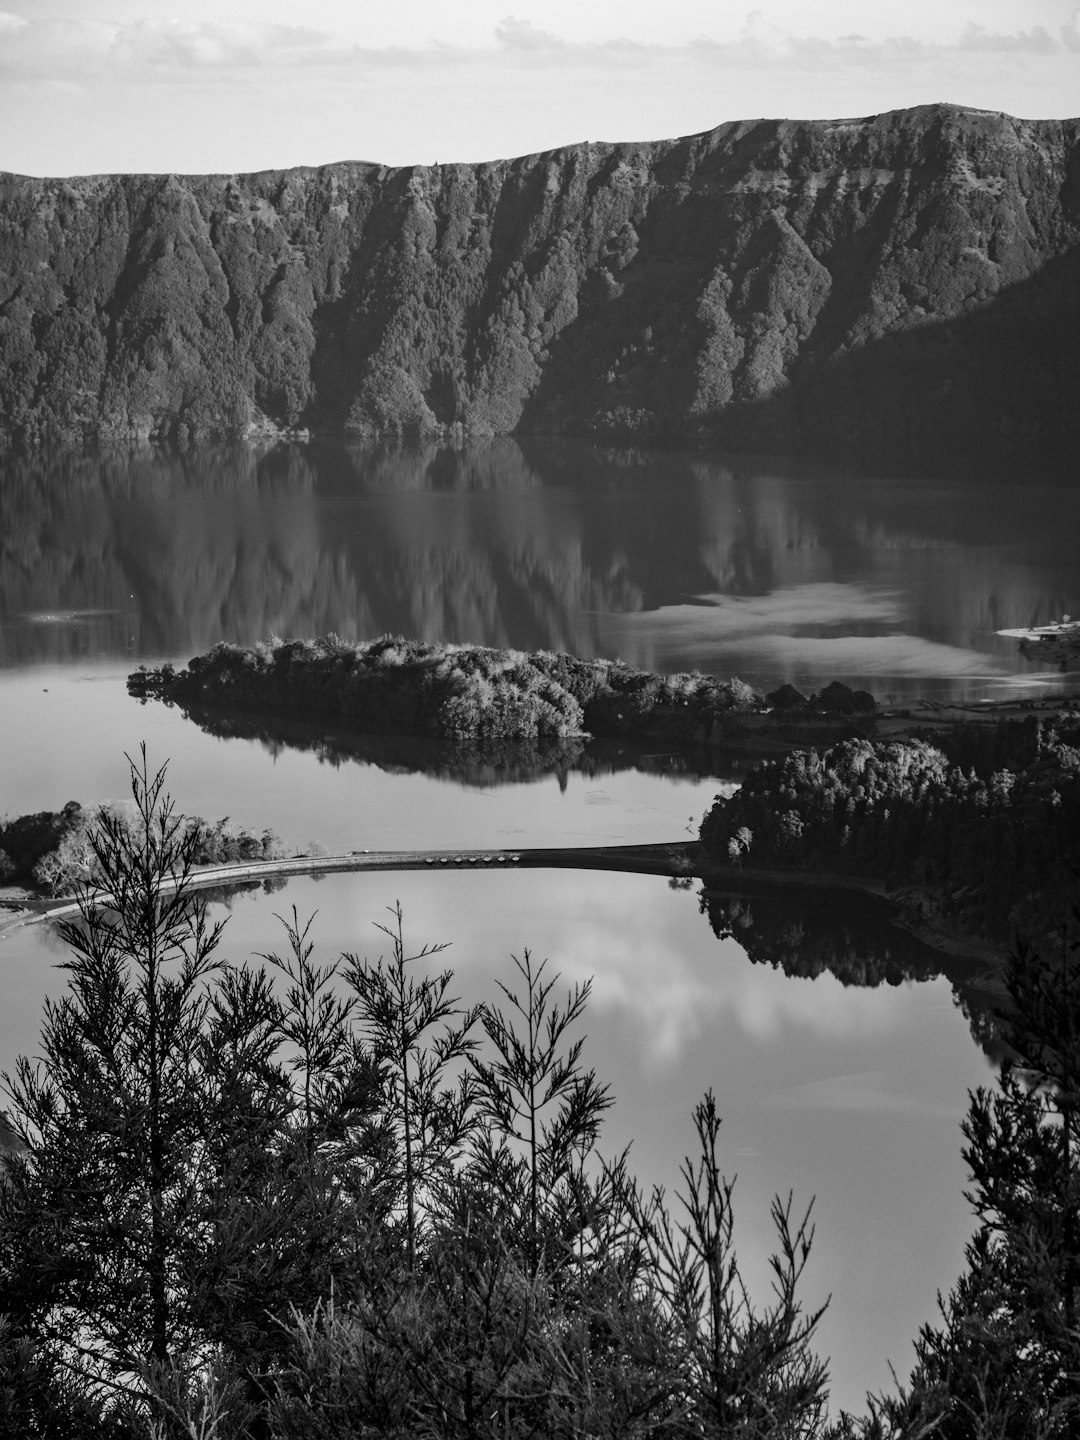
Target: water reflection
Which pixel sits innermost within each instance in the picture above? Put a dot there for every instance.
(883, 1071)
(496, 763)
(772, 570)
(804, 932)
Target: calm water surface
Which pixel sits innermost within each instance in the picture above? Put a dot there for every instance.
(769, 571)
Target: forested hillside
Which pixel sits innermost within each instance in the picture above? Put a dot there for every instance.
(978, 823)
(896, 284)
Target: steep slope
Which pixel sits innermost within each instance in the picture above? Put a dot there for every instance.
(887, 284)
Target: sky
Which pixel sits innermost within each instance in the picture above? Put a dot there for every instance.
(238, 85)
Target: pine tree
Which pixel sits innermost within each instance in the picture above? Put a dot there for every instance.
(1006, 1360)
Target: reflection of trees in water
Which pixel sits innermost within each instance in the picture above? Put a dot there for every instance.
(507, 762)
(528, 544)
(806, 933)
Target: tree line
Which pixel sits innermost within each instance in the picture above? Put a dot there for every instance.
(463, 693)
(982, 823)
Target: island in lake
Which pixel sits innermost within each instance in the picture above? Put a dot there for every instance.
(975, 825)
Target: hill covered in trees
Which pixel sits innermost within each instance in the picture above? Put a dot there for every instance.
(903, 284)
(978, 824)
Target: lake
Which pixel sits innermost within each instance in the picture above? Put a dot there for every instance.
(836, 1085)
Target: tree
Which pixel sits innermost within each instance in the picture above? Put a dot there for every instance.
(541, 1110)
(417, 1034)
(745, 1372)
(101, 1208)
(179, 1186)
(1005, 1362)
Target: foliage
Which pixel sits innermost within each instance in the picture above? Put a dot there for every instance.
(427, 1115)
(990, 846)
(605, 289)
(749, 1373)
(55, 850)
(466, 693)
(99, 1217)
(29, 840)
(301, 1199)
(1005, 1359)
(541, 1114)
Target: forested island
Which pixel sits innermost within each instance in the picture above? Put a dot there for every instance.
(478, 694)
(978, 825)
(975, 826)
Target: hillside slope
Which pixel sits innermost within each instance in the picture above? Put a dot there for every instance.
(890, 284)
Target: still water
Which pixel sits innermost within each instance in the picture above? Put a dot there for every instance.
(835, 1086)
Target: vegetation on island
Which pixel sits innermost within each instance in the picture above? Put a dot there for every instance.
(456, 692)
(54, 850)
(300, 1199)
(978, 824)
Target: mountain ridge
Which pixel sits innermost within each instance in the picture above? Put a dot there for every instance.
(885, 285)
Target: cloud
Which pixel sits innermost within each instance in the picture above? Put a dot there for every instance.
(1037, 40)
(171, 42)
(57, 47)
(522, 35)
(823, 602)
(698, 986)
(776, 632)
(40, 47)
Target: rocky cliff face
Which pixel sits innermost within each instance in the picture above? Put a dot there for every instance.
(891, 284)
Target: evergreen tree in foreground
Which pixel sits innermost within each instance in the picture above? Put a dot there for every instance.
(299, 1200)
(1005, 1362)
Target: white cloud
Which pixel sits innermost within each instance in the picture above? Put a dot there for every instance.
(107, 86)
(249, 44)
(522, 35)
(1037, 40)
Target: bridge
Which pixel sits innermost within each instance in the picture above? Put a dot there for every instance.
(682, 858)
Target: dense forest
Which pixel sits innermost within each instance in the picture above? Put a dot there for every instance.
(468, 692)
(978, 823)
(902, 285)
(306, 1199)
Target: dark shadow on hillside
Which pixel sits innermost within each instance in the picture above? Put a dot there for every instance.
(995, 387)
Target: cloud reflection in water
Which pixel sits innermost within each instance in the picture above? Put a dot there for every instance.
(778, 631)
